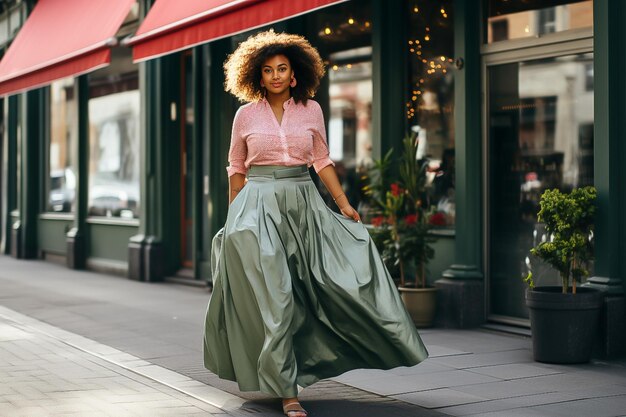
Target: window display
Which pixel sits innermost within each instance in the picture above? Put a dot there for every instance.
(61, 182)
(114, 106)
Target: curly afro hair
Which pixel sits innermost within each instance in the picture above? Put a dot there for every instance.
(243, 67)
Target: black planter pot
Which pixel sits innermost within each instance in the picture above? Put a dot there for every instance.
(563, 325)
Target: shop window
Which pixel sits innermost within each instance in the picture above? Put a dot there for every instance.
(532, 18)
(429, 98)
(114, 107)
(343, 35)
(63, 122)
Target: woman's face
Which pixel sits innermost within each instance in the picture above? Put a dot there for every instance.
(276, 74)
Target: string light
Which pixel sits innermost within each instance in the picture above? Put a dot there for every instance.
(327, 31)
(435, 64)
(351, 21)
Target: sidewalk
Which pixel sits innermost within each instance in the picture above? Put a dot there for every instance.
(42, 376)
(129, 325)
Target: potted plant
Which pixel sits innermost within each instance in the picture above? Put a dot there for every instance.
(400, 229)
(564, 318)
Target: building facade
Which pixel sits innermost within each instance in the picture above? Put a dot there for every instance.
(121, 167)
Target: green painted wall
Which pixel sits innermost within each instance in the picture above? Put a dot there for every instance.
(51, 235)
(109, 241)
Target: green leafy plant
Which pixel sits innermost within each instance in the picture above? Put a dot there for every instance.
(400, 227)
(568, 246)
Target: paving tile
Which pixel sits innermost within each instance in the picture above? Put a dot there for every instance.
(394, 385)
(513, 403)
(439, 398)
(520, 412)
(426, 367)
(505, 389)
(513, 371)
(607, 407)
(437, 351)
(486, 359)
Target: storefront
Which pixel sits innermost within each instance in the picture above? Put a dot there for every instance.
(122, 168)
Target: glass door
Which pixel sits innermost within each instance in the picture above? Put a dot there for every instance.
(539, 136)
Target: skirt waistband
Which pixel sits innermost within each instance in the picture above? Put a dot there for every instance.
(278, 171)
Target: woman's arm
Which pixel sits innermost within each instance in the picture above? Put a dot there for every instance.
(331, 182)
(235, 184)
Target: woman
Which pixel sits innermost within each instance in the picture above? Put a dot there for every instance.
(299, 292)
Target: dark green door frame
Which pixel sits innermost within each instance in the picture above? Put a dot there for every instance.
(462, 287)
(76, 238)
(32, 125)
(609, 144)
(10, 204)
(610, 171)
(389, 70)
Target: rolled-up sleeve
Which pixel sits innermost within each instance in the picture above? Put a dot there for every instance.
(238, 151)
(320, 152)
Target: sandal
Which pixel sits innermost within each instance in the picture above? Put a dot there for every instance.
(294, 409)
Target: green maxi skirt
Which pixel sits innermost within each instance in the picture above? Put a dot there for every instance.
(300, 293)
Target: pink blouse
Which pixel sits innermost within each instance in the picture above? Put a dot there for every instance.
(258, 139)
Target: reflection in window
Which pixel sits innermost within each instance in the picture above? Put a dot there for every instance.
(523, 19)
(430, 97)
(345, 42)
(540, 137)
(114, 104)
(61, 184)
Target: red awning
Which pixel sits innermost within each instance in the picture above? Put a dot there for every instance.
(172, 25)
(61, 38)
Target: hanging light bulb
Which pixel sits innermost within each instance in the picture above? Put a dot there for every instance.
(327, 30)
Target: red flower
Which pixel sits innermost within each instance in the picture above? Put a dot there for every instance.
(378, 221)
(437, 219)
(395, 189)
(410, 219)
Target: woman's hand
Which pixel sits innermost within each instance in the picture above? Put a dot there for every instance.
(346, 209)
(350, 213)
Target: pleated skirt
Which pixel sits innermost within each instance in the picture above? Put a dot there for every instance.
(300, 293)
